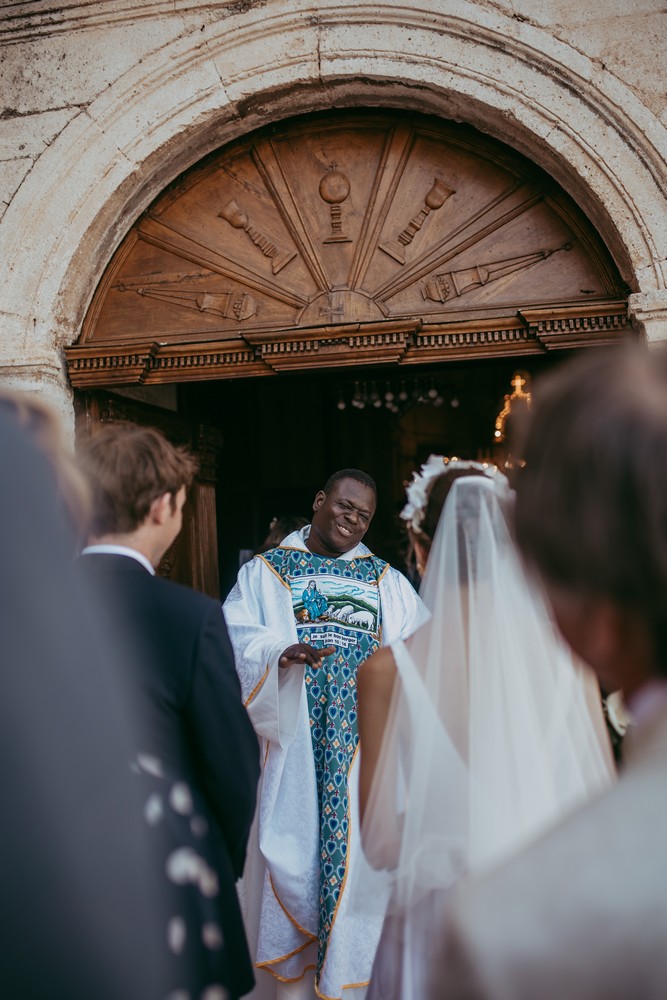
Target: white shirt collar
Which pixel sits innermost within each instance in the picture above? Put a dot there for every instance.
(297, 540)
(118, 550)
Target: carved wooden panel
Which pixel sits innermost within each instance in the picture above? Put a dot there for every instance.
(291, 247)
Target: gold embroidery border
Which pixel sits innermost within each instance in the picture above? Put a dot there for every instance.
(301, 930)
(275, 571)
(286, 979)
(258, 685)
(347, 862)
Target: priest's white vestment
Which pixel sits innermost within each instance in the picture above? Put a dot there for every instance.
(281, 886)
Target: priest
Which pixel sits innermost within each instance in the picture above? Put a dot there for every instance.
(302, 618)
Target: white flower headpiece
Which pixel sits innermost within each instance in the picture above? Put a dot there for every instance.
(418, 490)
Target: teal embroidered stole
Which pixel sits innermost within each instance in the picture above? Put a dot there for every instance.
(336, 602)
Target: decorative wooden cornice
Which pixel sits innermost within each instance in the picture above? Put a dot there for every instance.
(475, 338)
(382, 342)
(197, 362)
(405, 342)
(561, 328)
(114, 364)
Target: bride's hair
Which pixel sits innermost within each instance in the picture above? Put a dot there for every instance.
(437, 495)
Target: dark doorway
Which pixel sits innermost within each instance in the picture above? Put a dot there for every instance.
(282, 436)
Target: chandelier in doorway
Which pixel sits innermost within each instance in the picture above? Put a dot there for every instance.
(395, 396)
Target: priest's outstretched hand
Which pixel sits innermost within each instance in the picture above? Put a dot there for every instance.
(301, 652)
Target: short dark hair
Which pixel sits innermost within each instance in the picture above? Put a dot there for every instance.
(591, 507)
(128, 467)
(361, 477)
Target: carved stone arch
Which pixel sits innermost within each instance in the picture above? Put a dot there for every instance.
(347, 238)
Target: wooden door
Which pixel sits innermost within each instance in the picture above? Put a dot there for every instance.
(193, 558)
(349, 238)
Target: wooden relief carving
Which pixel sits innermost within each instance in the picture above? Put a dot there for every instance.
(334, 189)
(241, 305)
(443, 286)
(236, 217)
(348, 220)
(435, 199)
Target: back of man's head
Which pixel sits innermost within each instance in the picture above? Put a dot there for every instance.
(128, 467)
(591, 509)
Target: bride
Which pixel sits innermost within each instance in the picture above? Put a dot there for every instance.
(478, 732)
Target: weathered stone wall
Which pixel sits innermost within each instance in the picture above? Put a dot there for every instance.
(104, 103)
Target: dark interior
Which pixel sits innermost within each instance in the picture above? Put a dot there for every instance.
(283, 435)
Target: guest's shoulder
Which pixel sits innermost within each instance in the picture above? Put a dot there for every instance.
(186, 599)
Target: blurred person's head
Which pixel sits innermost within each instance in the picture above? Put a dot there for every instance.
(68, 731)
(591, 509)
(138, 481)
(45, 430)
(279, 528)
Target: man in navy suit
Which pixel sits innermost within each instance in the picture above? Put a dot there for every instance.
(199, 754)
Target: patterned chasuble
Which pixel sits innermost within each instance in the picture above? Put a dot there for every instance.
(336, 602)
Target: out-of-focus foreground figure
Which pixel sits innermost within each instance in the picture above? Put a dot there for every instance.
(78, 908)
(583, 912)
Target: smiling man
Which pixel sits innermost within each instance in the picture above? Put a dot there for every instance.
(302, 618)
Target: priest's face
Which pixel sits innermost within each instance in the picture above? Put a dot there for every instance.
(341, 518)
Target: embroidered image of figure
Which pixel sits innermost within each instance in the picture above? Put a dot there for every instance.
(314, 602)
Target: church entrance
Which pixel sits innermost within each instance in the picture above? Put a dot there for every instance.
(268, 445)
(281, 438)
(349, 288)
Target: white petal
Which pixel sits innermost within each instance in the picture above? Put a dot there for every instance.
(214, 993)
(176, 934)
(180, 799)
(153, 810)
(183, 866)
(153, 765)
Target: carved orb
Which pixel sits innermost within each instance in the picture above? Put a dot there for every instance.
(334, 187)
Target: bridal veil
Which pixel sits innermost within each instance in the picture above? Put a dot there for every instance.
(494, 731)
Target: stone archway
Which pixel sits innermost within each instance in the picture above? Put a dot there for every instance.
(219, 78)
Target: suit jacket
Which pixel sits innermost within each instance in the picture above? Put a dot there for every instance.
(581, 914)
(192, 717)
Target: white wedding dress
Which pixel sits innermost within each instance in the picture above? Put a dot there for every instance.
(494, 733)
